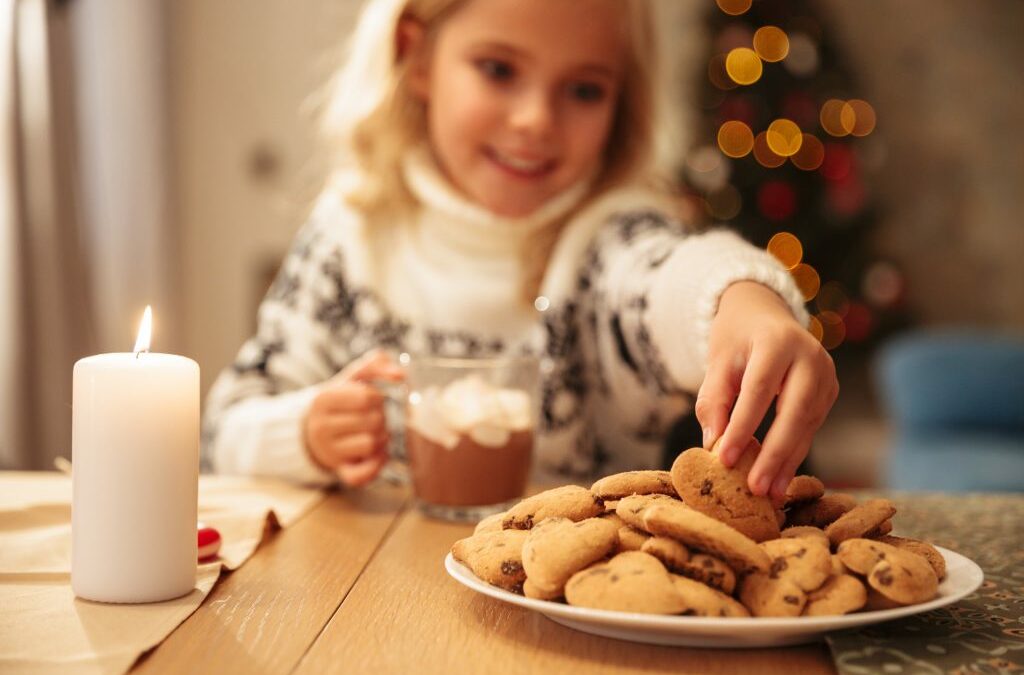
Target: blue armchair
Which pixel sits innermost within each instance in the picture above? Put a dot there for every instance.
(956, 403)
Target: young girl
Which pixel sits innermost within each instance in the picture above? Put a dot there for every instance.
(492, 196)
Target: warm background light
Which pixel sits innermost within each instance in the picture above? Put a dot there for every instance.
(786, 247)
(734, 7)
(784, 137)
(863, 116)
(764, 155)
(832, 119)
(807, 280)
(718, 75)
(735, 138)
(771, 43)
(743, 65)
(810, 155)
(832, 297)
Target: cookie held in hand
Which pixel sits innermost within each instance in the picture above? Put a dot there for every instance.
(706, 485)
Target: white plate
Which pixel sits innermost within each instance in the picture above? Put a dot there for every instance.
(963, 577)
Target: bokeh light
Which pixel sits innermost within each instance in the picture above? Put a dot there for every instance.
(764, 155)
(833, 330)
(735, 138)
(860, 322)
(743, 65)
(776, 200)
(802, 60)
(807, 280)
(863, 116)
(838, 162)
(771, 43)
(717, 74)
(815, 328)
(707, 169)
(847, 197)
(810, 155)
(734, 7)
(883, 284)
(784, 137)
(786, 248)
(832, 119)
(832, 297)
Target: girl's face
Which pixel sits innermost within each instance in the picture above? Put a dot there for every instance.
(521, 95)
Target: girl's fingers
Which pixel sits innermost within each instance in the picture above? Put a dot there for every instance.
(355, 447)
(357, 474)
(376, 364)
(759, 386)
(349, 397)
(788, 470)
(798, 412)
(715, 398)
(343, 424)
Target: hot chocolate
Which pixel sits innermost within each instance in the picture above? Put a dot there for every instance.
(469, 443)
(469, 474)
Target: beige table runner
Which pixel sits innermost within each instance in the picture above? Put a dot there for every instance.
(44, 628)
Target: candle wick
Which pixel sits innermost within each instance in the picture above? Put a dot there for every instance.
(140, 352)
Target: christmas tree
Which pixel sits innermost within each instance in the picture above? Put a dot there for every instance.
(785, 144)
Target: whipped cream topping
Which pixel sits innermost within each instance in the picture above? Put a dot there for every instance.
(470, 406)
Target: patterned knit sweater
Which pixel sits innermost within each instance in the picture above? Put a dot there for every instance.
(628, 298)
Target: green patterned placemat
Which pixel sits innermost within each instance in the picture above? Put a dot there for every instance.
(984, 632)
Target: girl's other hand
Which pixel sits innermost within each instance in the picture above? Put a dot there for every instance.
(757, 352)
(345, 430)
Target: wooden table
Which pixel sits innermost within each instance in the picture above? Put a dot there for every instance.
(358, 586)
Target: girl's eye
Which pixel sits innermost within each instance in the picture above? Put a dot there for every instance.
(586, 91)
(496, 70)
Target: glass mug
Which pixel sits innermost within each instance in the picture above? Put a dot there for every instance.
(465, 432)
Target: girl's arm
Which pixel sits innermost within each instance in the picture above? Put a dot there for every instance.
(655, 292)
(253, 421)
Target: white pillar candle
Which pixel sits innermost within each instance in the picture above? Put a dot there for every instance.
(135, 476)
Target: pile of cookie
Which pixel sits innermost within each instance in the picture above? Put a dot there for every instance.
(695, 541)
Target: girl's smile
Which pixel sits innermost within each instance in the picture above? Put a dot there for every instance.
(520, 96)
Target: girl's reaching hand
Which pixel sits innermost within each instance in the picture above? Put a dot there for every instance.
(757, 352)
(345, 430)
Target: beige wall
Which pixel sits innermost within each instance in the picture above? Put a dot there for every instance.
(240, 72)
(945, 80)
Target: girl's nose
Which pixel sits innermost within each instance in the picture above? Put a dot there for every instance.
(533, 112)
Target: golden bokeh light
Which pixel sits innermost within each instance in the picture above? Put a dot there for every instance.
(786, 248)
(815, 327)
(833, 120)
(764, 155)
(784, 137)
(833, 298)
(717, 74)
(734, 7)
(863, 117)
(833, 330)
(810, 155)
(771, 43)
(807, 280)
(743, 65)
(735, 138)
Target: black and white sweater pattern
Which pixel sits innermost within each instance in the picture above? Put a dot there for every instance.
(629, 297)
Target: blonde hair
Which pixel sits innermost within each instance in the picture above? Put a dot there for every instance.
(371, 119)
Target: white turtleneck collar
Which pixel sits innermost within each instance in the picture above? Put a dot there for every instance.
(453, 221)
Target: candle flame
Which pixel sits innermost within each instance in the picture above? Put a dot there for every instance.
(145, 331)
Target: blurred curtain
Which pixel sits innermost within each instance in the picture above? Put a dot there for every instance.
(44, 309)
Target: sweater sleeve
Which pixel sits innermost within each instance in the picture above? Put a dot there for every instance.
(254, 411)
(656, 294)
